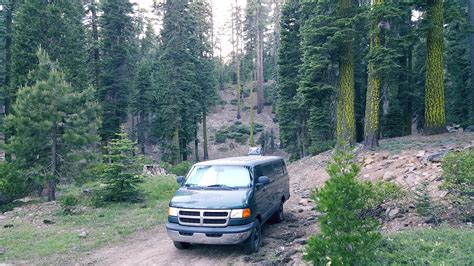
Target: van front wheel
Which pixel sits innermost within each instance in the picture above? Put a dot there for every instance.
(181, 245)
(252, 244)
(278, 216)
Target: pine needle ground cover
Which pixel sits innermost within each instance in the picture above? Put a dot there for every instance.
(61, 236)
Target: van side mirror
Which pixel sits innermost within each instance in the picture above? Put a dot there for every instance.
(263, 180)
(180, 179)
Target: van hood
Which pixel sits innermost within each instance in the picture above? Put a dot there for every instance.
(210, 198)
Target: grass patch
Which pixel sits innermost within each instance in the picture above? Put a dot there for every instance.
(441, 246)
(105, 225)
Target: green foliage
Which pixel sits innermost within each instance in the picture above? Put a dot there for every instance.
(181, 169)
(184, 75)
(54, 125)
(383, 191)
(458, 170)
(68, 202)
(55, 27)
(440, 246)
(347, 237)
(115, 80)
(221, 137)
(120, 171)
(13, 183)
(423, 199)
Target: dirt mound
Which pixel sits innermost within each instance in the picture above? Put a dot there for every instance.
(224, 115)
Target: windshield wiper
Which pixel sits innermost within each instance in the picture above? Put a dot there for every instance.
(192, 186)
(221, 186)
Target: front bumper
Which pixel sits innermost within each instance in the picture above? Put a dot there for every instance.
(209, 235)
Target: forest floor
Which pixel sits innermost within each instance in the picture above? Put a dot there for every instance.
(406, 161)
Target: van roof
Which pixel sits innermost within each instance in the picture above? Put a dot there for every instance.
(242, 160)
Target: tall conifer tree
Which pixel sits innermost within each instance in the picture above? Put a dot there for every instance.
(116, 75)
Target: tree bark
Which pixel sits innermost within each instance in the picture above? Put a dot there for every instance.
(435, 117)
(95, 38)
(372, 114)
(204, 136)
(54, 164)
(345, 121)
(471, 48)
(177, 146)
(260, 96)
(196, 146)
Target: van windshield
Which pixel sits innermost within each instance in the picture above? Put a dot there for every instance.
(219, 176)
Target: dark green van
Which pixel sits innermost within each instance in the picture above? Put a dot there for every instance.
(227, 201)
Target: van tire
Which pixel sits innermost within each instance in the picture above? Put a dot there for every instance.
(181, 245)
(278, 216)
(252, 244)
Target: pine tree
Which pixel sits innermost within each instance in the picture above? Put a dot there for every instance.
(291, 116)
(372, 122)
(120, 170)
(116, 75)
(345, 128)
(142, 98)
(457, 65)
(56, 27)
(176, 82)
(53, 124)
(204, 65)
(471, 54)
(435, 117)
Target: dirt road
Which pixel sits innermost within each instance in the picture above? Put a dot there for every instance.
(282, 243)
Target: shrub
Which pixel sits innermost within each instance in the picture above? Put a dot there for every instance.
(67, 203)
(346, 236)
(383, 191)
(167, 166)
(12, 183)
(458, 170)
(181, 169)
(440, 246)
(459, 180)
(221, 137)
(234, 102)
(120, 171)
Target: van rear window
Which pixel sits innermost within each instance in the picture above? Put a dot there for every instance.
(219, 176)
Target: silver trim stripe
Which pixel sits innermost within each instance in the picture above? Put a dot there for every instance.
(200, 216)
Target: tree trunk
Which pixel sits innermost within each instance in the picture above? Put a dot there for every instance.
(141, 132)
(372, 116)
(196, 146)
(471, 48)
(8, 58)
(177, 146)
(54, 165)
(435, 117)
(251, 138)
(95, 39)
(260, 98)
(204, 136)
(345, 128)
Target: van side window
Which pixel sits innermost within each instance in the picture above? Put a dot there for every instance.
(268, 171)
(258, 172)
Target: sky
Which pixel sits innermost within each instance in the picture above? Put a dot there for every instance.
(221, 10)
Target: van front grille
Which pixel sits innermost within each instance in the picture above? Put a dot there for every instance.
(194, 217)
(216, 214)
(190, 213)
(214, 221)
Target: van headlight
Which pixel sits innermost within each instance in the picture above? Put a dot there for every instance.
(172, 211)
(240, 213)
